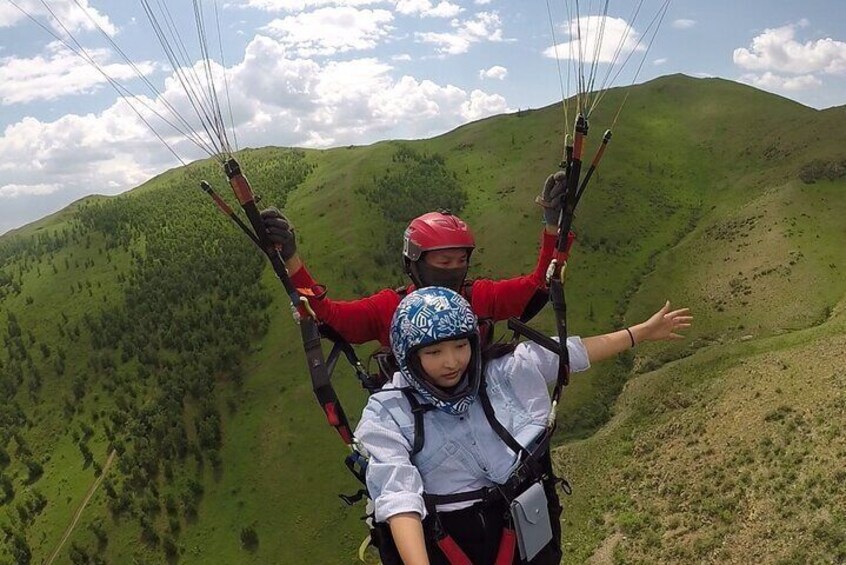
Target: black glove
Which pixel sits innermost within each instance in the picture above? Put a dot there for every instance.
(280, 231)
(550, 199)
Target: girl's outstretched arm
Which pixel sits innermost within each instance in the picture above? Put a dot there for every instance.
(662, 325)
(407, 531)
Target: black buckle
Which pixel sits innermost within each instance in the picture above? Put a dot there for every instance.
(351, 499)
(354, 459)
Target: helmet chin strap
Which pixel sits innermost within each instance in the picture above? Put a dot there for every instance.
(459, 387)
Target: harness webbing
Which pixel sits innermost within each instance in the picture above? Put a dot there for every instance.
(500, 430)
(507, 547)
(417, 410)
(342, 346)
(451, 550)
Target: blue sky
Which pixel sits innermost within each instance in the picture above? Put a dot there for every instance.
(322, 73)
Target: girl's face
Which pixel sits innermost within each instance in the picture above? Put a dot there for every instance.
(445, 362)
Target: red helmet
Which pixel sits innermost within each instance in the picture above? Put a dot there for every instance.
(436, 230)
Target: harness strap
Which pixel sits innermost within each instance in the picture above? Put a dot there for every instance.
(351, 499)
(507, 545)
(448, 545)
(452, 552)
(386, 365)
(500, 430)
(357, 464)
(530, 467)
(487, 327)
(484, 494)
(559, 306)
(342, 346)
(520, 328)
(535, 304)
(417, 409)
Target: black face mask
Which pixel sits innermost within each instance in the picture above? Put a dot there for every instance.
(427, 275)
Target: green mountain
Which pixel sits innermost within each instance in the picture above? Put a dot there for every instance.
(146, 325)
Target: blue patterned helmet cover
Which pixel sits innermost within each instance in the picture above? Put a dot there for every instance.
(428, 316)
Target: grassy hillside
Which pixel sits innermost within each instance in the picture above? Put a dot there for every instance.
(732, 455)
(136, 323)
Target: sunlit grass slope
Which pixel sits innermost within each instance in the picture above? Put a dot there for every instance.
(712, 194)
(734, 454)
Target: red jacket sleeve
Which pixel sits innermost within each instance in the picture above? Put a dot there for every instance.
(357, 321)
(506, 298)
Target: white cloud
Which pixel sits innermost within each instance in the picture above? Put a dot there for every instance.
(683, 23)
(77, 155)
(426, 9)
(329, 31)
(292, 101)
(343, 102)
(777, 50)
(419, 8)
(76, 15)
(485, 26)
(482, 2)
(660, 61)
(770, 81)
(16, 190)
(482, 104)
(58, 73)
(295, 6)
(496, 72)
(602, 37)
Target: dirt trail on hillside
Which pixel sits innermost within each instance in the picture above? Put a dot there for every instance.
(604, 554)
(78, 514)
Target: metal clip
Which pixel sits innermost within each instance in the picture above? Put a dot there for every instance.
(550, 420)
(550, 271)
(307, 306)
(357, 447)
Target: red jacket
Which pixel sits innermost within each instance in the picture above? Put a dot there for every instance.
(366, 319)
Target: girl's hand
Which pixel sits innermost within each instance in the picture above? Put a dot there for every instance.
(663, 325)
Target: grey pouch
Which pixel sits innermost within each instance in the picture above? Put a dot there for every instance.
(531, 521)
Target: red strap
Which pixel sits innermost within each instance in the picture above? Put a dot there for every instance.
(332, 414)
(346, 435)
(571, 237)
(221, 204)
(505, 554)
(453, 553)
(334, 420)
(241, 188)
(561, 256)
